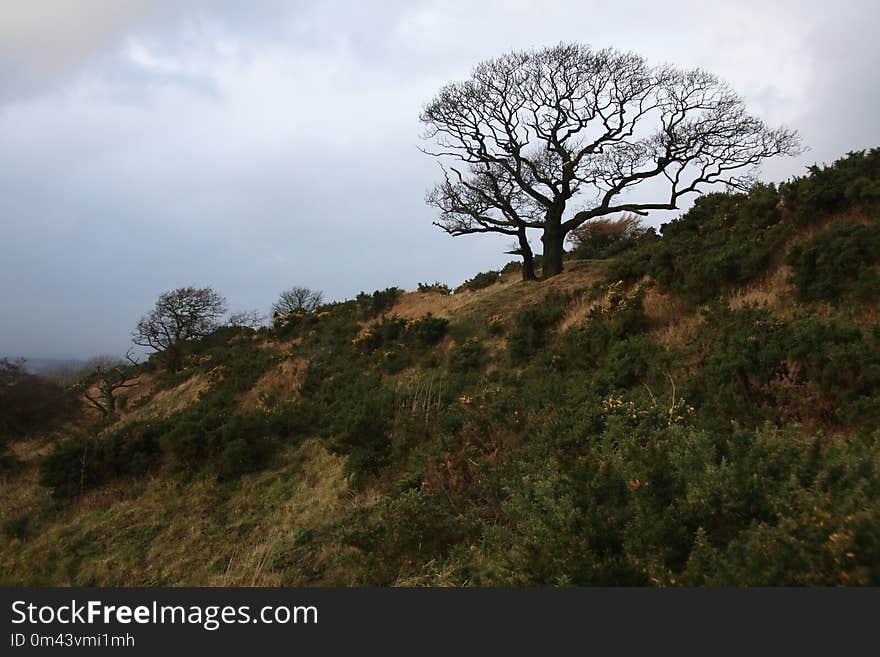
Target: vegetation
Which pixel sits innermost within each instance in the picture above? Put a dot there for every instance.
(180, 315)
(698, 407)
(533, 133)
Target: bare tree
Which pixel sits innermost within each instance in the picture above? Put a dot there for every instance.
(186, 313)
(252, 319)
(110, 374)
(549, 139)
(295, 299)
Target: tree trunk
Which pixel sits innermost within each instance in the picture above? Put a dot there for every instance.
(553, 239)
(528, 264)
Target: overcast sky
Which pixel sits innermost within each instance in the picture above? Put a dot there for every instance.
(251, 146)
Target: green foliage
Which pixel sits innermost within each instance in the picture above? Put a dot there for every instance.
(395, 331)
(532, 326)
(84, 462)
(467, 356)
(838, 263)
(759, 367)
(351, 408)
(648, 497)
(482, 280)
(434, 288)
(397, 537)
(236, 441)
(377, 303)
(724, 240)
(851, 180)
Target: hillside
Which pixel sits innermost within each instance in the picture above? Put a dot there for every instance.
(699, 407)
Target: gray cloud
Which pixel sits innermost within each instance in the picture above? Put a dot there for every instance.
(253, 146)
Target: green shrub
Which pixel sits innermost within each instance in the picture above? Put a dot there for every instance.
(722, 242)
(81, 463)
(428, 330)
(851, 180)
(532, 326)
(760, 367)
(434, 288)
(397, 537)
(377, 303)
(480, 281)
(467, 356)
(650, 498)
(838, 263)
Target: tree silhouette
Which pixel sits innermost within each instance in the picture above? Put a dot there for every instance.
(549, 139)
(183, 314)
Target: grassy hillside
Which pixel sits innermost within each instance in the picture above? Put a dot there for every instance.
(697, 407)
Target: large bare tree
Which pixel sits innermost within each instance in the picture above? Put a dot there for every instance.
(186, 313)
(549, 139)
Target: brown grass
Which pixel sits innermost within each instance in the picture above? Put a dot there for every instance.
(682, 331)
(282, 383)
(507, 296)
(577, 312)
(663, 308)
(167, 402)
(772, 290)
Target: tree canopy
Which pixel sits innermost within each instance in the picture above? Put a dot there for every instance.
(183, 314)
(549, 139)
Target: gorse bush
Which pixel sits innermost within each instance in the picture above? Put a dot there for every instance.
(838, 263)
(480, 281)
(377, 303)
(851, 180)
(653, 499)
(759, 367)
(84, 462)
(532, 326)
(434, 288)
(469, 355)
(416, 333)
(724, 240)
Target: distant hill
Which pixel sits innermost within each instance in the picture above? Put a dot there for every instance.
(695, 407)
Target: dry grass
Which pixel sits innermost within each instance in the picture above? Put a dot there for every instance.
(663, 308)
(773, 291)
(507, 296)
(679, 333)
(167, 402)
(318, 497)
(281, 383)
(162, 530)
(577, 312)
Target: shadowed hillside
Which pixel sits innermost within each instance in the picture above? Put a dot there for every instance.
(699, 406)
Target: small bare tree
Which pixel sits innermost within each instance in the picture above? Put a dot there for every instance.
(549, 139)
(297, 299)
(186, 313)
(110, 374)
(252, 319)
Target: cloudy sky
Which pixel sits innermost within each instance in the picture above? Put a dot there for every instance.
(251, 146)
